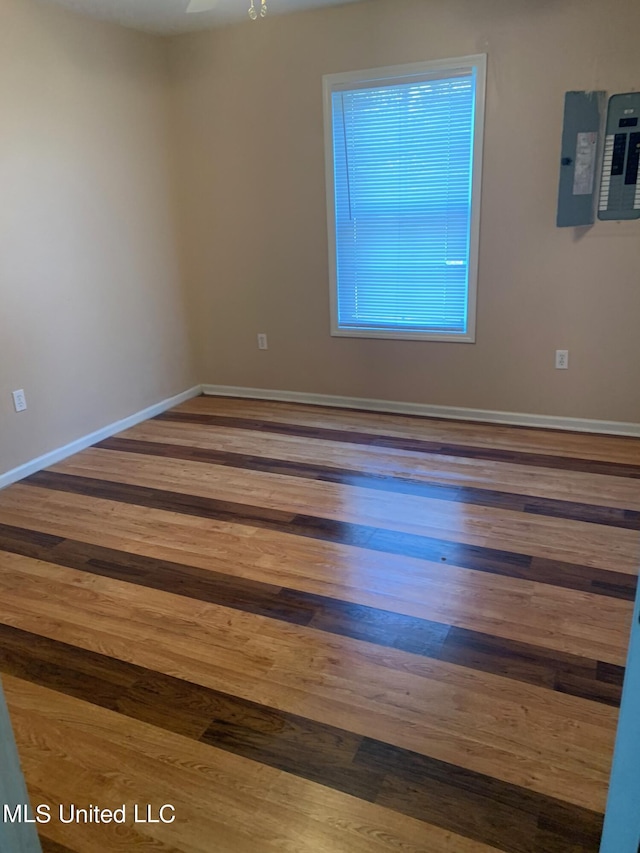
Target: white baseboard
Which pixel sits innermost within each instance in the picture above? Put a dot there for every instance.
(429, 411)
(87, 440)
(390, 406)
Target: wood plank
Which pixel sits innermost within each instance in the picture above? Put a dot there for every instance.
(50, 846)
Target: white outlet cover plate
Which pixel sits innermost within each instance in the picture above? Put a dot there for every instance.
(19, 401)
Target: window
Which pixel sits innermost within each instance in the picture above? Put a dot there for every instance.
(404, 151)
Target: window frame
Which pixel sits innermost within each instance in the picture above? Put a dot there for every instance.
(404, 73)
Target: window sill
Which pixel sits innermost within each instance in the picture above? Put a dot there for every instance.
(387, 334)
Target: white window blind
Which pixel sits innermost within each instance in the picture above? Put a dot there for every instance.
(403, 185)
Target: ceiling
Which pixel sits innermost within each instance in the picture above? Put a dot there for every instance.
(168, 16)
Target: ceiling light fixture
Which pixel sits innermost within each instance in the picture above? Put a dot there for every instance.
(257, 8)
(253, 12)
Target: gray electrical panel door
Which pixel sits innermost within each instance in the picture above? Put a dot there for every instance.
(583, 112)
(619, 188)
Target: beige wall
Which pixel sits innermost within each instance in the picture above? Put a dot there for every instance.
(92, 322)
(248, 117)
(91, 316)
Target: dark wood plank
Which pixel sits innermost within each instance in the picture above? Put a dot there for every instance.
(565, 673)
(62, 667)
(306, 748)
(610, 673)
(416, 445)
(117, 685)
(50, 846)
(487, 808)
(475, 816)
(478, 558)
(31, 542)
(169, 703)
(588, 688)
(562, 830)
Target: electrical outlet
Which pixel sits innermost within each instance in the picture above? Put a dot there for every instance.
(562, 359)
(262, 341)
(19, 401)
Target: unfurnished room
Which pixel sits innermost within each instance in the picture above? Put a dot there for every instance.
(319, 426)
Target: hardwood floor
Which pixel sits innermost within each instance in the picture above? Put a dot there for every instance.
(322, 631)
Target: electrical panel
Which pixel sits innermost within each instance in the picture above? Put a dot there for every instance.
(619, 188)
(583, 114)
